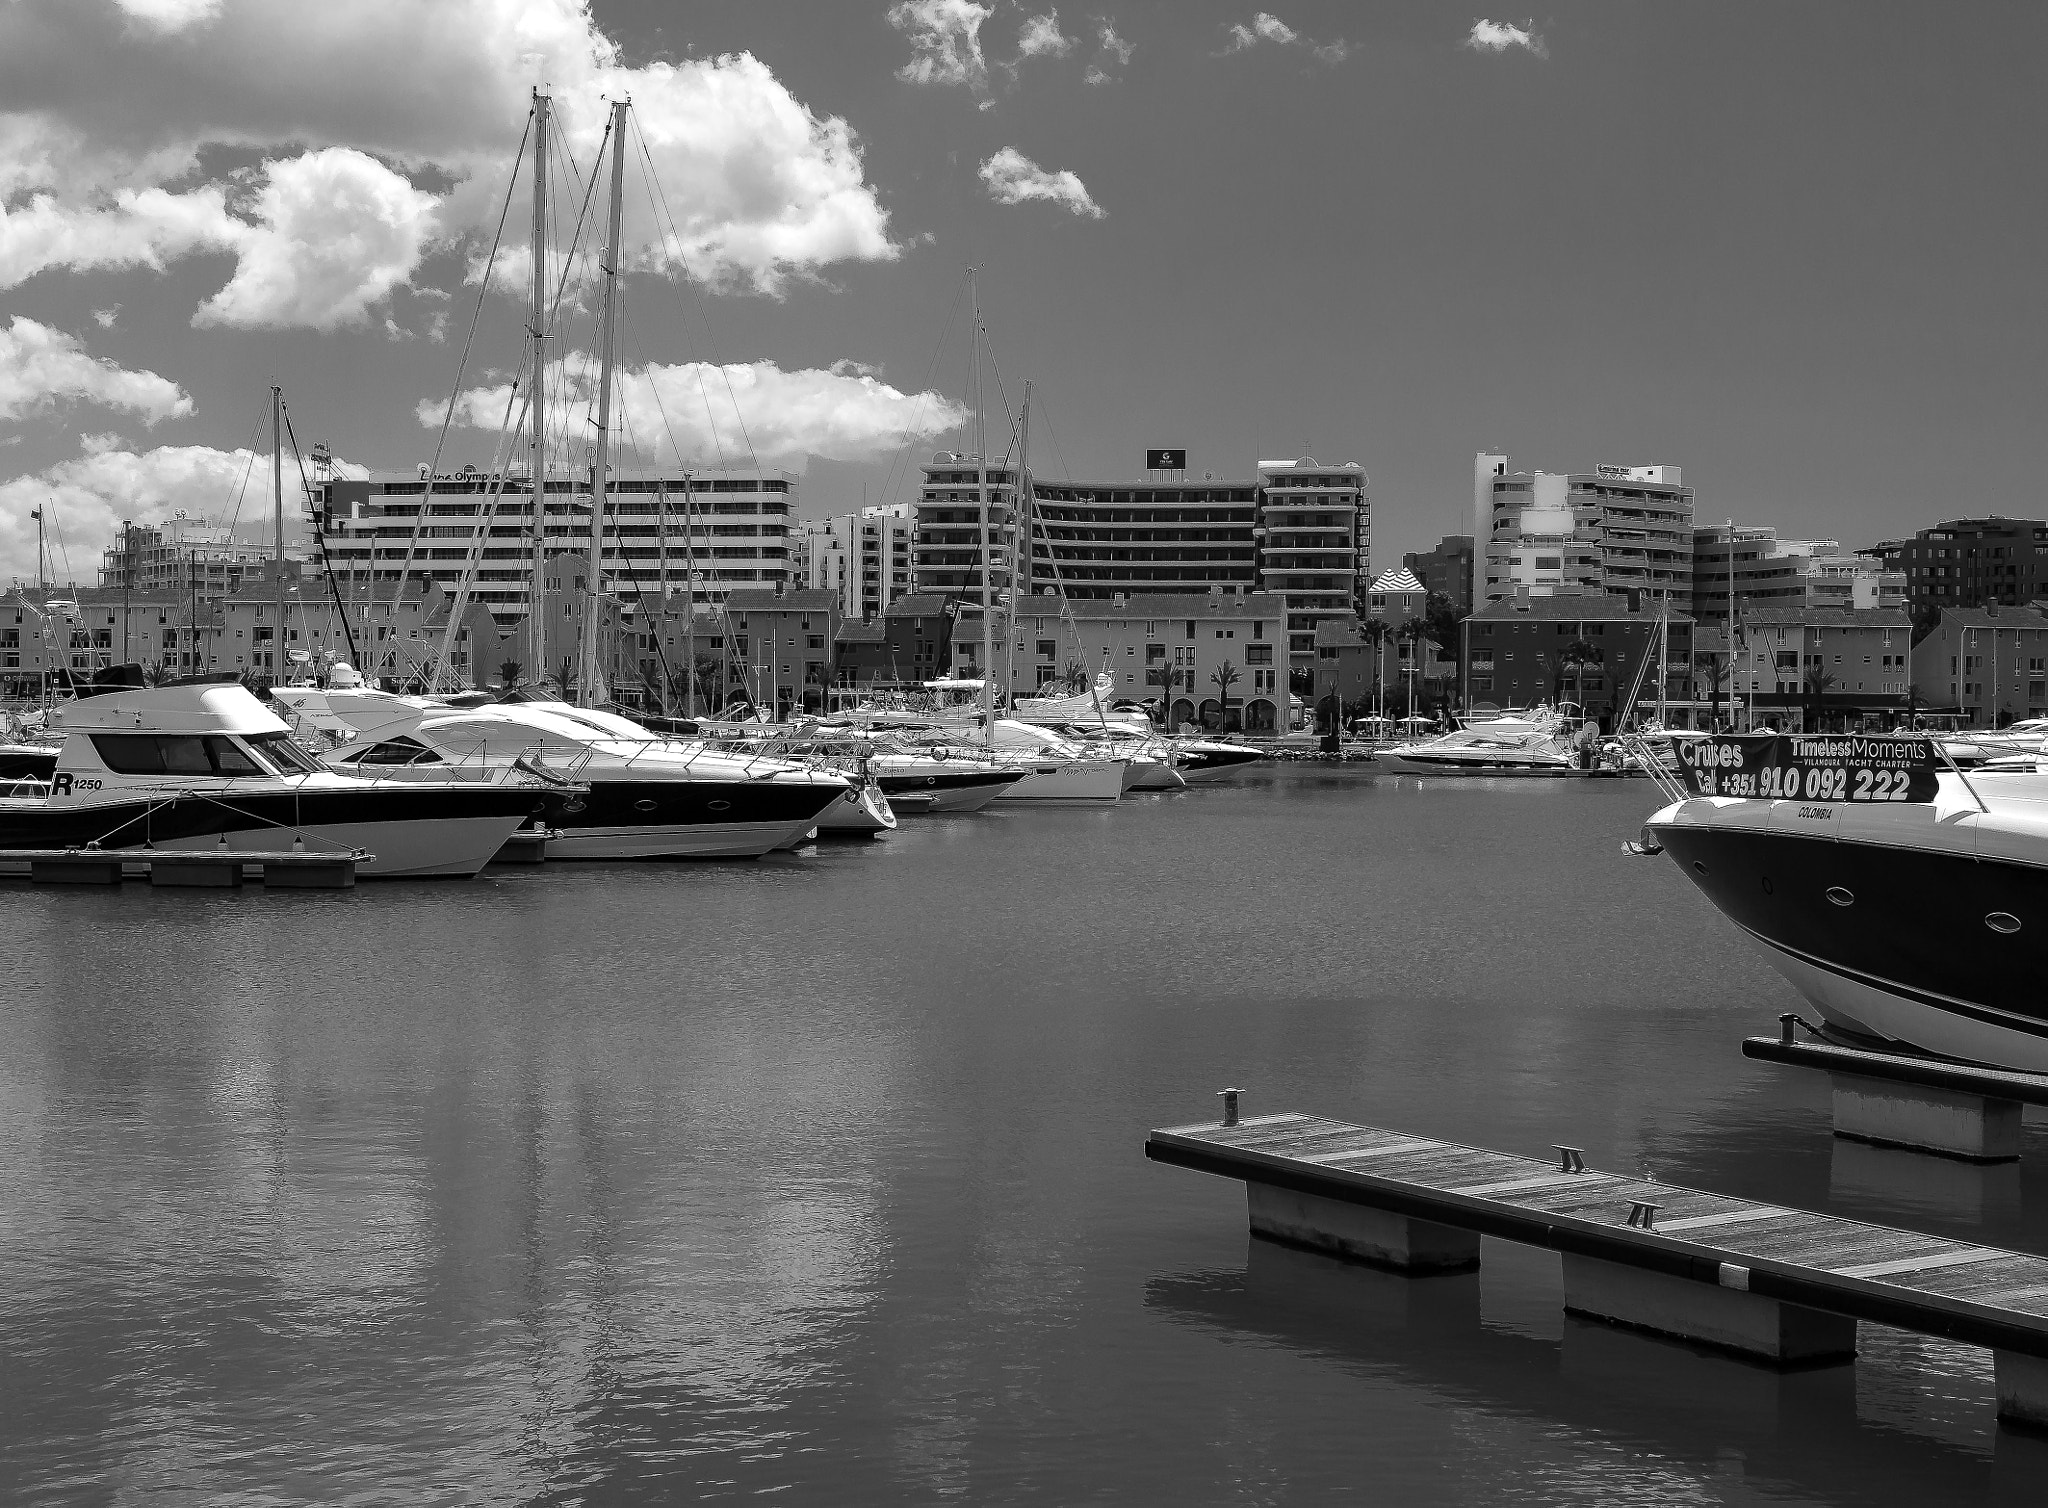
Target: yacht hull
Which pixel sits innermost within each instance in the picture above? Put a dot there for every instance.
(954, 790)
(1411, 764)
(1078, 780)
(1155, 775)
(687, 819)
(1200, 767)
(414, 831)
(861, 812)
(1916, 954)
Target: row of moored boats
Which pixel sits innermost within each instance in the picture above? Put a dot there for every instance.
(443, 785)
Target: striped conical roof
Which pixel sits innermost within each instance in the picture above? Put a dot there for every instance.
(1402, 580)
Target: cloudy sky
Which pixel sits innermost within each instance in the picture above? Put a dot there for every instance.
(1795, 249)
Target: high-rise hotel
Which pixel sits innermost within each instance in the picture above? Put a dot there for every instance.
(1301, 530)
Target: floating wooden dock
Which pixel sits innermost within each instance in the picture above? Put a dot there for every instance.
(190, 868)
(1779, 1285)
(1926, 1104)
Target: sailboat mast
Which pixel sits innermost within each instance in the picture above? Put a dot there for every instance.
(590, 691)
(277, 522)
(690, 596)
(988, 564)
(536, 620)
(1022, 493)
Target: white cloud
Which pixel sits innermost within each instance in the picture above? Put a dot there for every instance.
(1041, 37)
(99, 122)
(1095, 75)
(105, 318)
(42, 369)
(169, 15)
(96, 444)
(1012, 178)
(1499, 36)
(90, 496)
(1267, 27)
(335, 230)
(945, 41)
(1114, 45)
(137, 229)
(845, 412)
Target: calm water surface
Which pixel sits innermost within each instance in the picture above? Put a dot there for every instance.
(823, 1176)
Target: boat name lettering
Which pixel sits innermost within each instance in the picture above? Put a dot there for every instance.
(60, 783)
(1792, 767)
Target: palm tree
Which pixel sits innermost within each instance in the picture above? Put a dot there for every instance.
(1076, 678)
(1912, 701)
(1416, 631)
(1818, 683)
(1576, 657)
(1374, 631)
(509, 672)
(1717, 670)
(1225, 676)
(1165, 676)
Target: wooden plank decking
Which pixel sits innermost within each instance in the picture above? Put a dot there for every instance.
(1897, 1068)
(1976, 1294)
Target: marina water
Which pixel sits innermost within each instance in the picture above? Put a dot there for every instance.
(821, 1176)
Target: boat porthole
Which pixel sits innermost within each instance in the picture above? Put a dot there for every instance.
(1840, 896)
(1768, 890)
(1698, 867)
(643, 806)
(719, 806)
(2002, 921)
(931, 780)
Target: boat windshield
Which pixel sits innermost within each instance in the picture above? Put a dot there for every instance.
(282, 754)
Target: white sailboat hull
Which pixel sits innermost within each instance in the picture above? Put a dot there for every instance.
(413, 849)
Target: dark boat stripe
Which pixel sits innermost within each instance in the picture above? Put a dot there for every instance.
(1989, 1015)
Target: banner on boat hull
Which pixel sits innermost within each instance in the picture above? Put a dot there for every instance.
(1856, 767)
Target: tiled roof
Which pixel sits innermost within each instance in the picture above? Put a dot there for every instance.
(1594, 607)
(855, 631)
(1162, 605)
(817, 600)
(1830, 617)
(1977, 617)
(918, 605)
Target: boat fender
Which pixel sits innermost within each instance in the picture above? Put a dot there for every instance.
(940, 754)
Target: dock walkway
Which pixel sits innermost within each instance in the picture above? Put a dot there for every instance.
(1778, 1284)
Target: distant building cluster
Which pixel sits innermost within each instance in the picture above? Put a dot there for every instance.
(1237, 603)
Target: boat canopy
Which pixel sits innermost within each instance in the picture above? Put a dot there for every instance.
(220, 707)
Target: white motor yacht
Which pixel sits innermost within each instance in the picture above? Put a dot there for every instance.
(1900, 920)
(203, 765)
(1505, 745)
(644, 798)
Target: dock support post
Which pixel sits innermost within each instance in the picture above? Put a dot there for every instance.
(1951, 1122)
(226, 875)
(2022, 1388)
(84, 869)
(1724, 1315)
(1358, 1233)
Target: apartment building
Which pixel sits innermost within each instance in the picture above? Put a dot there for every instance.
(1316, 547)
(732, 527)
(1989, 662)
(1848, 662)
(1611, 529)
(180, 554)
(1967, 562)
(1771, 572)
(1446, 571)
(1518, 651)
(864, 558)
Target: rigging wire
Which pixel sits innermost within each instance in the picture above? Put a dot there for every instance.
(703, 313)
(319, 537)
(455, 390)
(249, 466)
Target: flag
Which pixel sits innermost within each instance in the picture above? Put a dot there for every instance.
(1166, 460)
